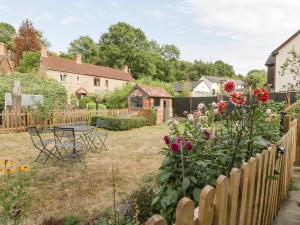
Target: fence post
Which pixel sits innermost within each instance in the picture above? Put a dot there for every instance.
(234, 183)
(156, 220)
(286, 123)
(251, 182)
(185, 212)
(222, 188)
(243, 192)
(206, 207)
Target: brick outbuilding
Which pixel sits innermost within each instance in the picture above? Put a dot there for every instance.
(157, 98)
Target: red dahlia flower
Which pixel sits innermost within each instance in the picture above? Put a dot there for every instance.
(206, 134)
(175, 147)
(229, 86)
(221, 107)
(167, 140)
(262, 94)
(188, 145)
(238, 98)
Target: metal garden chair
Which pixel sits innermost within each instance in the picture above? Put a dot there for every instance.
(42, 145)
(98, 138)
(66, 141)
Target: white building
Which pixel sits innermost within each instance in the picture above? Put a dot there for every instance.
(279, 81)
(206, 86)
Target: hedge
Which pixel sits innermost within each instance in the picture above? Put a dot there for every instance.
(150, 115)
(120, 123)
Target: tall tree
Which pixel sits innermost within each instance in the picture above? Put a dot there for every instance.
(86, 47)
(256, 78)
(121, 45)
(27, 40)
(223, 69)
(7, 34)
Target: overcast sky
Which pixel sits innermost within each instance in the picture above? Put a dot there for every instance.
(239, 32)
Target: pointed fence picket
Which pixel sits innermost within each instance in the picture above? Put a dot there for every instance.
(251, 195)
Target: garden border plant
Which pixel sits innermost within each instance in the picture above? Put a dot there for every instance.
(212, 141)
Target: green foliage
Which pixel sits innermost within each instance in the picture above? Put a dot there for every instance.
(91, 105)
(7, 33)
(29, 62)
(83, 101)
(55, 94)
(186, 90)
(118, 98)
(121, 123)
(140, 203)
(71, 220)
(14, 197)
(256, 78)
(101, 106)
(86, 47)
(150, 115)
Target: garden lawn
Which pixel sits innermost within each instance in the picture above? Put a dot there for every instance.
(84, 188)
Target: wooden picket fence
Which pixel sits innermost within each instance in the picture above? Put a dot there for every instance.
(19, 121)
(251, 195)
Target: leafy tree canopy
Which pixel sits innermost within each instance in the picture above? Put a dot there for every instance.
(86, 47)
(7, 34)
(29, 62)
(256, 78)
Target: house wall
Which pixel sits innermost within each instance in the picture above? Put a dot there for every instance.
(201, 90)
(281, 82)
(86, 82)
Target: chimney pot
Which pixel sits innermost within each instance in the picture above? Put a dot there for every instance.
(2, 49)
(126, 70)
(44, 52)
(78, 59)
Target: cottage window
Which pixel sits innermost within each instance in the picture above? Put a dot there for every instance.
(106, 83)
(63, 77)
(96, 81)
(78, 80)
(136, 102)
(157, 102)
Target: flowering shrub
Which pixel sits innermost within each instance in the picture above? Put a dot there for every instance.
(211, 142)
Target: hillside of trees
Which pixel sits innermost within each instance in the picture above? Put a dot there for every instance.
(123, 44)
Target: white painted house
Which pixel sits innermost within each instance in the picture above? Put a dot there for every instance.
(206, 86)
(279, 81)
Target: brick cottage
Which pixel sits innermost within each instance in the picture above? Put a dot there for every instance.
(157, 98)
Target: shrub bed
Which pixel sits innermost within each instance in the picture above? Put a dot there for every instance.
(150, 115)
(121, 123)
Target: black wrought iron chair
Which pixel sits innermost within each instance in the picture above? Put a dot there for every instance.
(66, 141)
(42, 145)
(98, 138)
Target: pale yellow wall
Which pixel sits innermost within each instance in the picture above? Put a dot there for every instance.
(281, 57)
(86, 82)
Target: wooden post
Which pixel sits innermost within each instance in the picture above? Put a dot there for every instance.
(206, 207)
(286, 124)
(259, 171)
(185, 212)
(156, 220)
(222, 189)
(234, 183)
(243, 193)
(250, 196)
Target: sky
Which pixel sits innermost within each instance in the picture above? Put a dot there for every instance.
(239, 32)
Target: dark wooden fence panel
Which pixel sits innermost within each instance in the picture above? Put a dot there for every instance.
(189, 104)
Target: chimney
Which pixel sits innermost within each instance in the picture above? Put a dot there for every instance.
(78, 59)
(2, 49)
(126, 70)
(44, 52)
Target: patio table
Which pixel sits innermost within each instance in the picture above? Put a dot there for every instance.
(83, 133)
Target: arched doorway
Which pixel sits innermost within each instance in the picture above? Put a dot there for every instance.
(81, 92)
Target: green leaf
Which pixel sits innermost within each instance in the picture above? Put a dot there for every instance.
(164, 176)
(186, 183)
(196, 194)
(155, 200)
